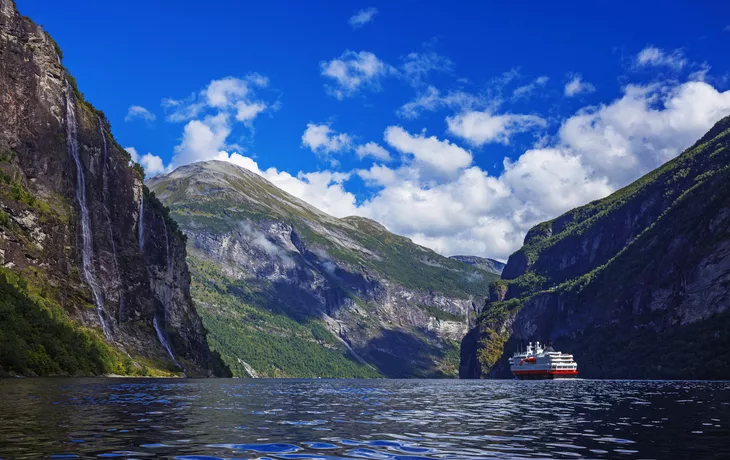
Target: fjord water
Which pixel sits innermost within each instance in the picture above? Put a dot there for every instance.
(372, 420)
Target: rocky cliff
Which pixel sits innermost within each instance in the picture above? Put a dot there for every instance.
(287, 290)
(97, 262)
(636, 285)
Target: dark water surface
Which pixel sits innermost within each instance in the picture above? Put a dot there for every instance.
(370, 420)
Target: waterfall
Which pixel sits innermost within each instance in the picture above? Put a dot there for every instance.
(109, 222)
(161, 337)
(86, 236)
(140, 223)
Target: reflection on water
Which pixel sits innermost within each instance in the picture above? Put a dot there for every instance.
(371, 420)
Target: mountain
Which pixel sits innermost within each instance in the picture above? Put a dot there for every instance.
(93, 274)
(492, 266)
(287, 290)
(635, 285)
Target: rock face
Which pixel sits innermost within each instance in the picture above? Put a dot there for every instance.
(342, 297)
(488, 265)
(74, 209)
(635, 285)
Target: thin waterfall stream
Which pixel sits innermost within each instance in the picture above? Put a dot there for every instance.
(109, 222)
(86, 235)
(168, 280)
(161, 338)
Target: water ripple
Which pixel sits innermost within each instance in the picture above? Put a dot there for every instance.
(361, 420)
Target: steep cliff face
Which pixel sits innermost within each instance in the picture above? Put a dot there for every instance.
(288, 290)
(71, 224)
(634, 285)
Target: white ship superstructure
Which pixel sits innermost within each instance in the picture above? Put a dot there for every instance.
(537, 362)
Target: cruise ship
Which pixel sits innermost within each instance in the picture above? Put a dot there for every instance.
(537, 362)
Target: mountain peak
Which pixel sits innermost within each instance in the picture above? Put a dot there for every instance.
(360, 221)
(365, 294)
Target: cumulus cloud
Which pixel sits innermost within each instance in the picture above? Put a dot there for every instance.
(139, 112)
(653, 56)
(437, 196)
(577, 86)
(202, 139)
(324, 190)
(229, 94)
(372, 149)
(362, 17)
(595, 151)
(479, 128)
(211, 114)
(152, 164)
(529, 89)
(324, 140)
(435, 156)
(353, 71)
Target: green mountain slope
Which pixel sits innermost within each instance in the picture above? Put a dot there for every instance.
(351, 298)
(634, 285)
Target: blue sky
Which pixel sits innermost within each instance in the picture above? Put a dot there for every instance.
(458, 124)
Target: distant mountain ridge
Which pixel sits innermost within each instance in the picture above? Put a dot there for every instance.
(635, 285)
(489, 265)
(288, 290)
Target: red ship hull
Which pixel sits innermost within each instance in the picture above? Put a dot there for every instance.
(545, 374)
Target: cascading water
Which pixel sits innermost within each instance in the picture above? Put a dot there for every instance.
(162, 339)
(87, 255)
(109, 223)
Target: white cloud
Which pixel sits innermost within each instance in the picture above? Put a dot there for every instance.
(372, 149)
(137, 111)
(437, 157)
(229, 94)
(577, 86)
(202, 139)
(247, 111)
(438, 197)
(352, 71)
(646, 127)
(479, 128)
(653, 56)
(595, 152)
(527, 90)
(432, 99)
(416, 66)
(211, 116)
(324, 140)
(152, 164)
(323, 190)
(362, 17)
